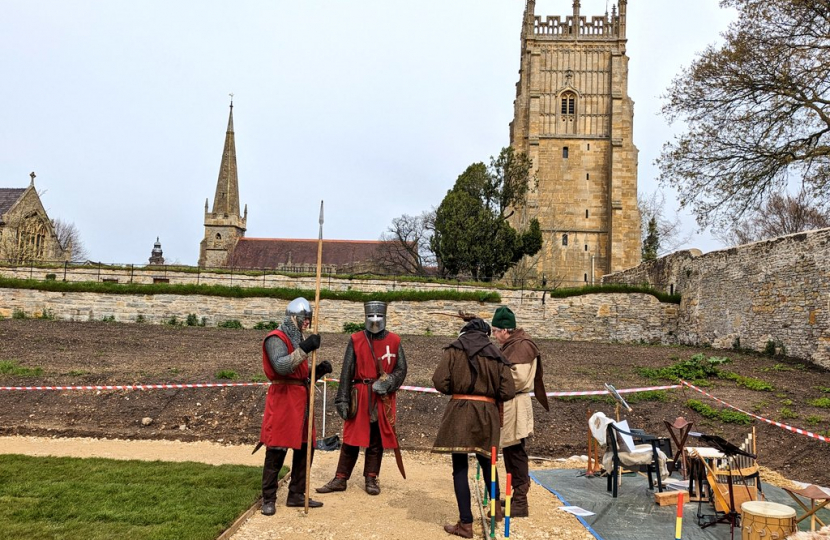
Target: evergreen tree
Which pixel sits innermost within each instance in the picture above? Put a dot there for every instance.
(651, 244)
(472, 235)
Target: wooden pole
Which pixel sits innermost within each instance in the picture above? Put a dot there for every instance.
(310, 442)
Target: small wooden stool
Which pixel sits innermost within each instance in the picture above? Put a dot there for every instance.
(814, 494)
(679, 432)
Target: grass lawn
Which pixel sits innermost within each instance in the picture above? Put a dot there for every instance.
(71, 498)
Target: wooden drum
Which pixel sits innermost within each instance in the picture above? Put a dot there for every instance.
(761, 520)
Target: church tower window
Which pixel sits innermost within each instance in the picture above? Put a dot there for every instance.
(567, 112)
(568, 104)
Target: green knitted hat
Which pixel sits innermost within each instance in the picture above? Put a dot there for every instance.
(504, 318)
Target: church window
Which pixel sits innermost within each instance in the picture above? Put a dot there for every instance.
(567, 113)
(586, 247)
(565, 239)
(587, 176)
(568, 103)
(564, 152)
(31, 239)
(589, 146)
(586, 278)
(586, 214)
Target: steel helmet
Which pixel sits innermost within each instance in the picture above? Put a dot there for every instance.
(299, 310)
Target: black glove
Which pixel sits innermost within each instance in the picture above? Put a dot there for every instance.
(381, 387)
(322, 369)
(342, 410)
(311, 343)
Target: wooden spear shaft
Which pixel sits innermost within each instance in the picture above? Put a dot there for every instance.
(311, 443)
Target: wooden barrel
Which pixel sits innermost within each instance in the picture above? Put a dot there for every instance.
(762, 520)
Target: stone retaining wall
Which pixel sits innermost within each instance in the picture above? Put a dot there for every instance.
(767, 294)
(595, 317)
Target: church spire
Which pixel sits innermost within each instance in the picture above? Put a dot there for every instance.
(226, 200)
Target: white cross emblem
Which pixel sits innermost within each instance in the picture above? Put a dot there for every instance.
(388, 356)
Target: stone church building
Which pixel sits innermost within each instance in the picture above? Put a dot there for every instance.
(225, 244)
(26, 232)
(574, 118)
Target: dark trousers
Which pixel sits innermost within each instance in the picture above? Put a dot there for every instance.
(373, 456)
(516, 464)
(462, 485)
(274, 459)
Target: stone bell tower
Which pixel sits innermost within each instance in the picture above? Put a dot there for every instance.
(223, 225)
(574, 118)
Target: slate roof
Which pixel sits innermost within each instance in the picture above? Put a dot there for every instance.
(9, 196)
(276, 252)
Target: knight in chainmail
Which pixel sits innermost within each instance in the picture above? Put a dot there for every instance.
(374, 367)
(285, 421)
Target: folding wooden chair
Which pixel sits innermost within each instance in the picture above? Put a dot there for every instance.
(679, 432)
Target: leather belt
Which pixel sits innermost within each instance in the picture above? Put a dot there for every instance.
(363, 381)
(468, 397)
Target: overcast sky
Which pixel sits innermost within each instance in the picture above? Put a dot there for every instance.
(374, 106)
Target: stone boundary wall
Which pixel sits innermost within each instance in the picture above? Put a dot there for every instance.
(595, 317)
(772, 292)
(149, 275)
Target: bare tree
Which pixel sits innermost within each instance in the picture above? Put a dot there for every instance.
(757, 109)
(407, 250)
(669, 229)
(781, 214)
(69, 238)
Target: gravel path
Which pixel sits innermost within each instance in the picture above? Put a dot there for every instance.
(414, 508)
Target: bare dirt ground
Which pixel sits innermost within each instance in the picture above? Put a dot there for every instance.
(98, 353)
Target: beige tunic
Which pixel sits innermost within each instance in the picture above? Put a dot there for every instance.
(518, 412)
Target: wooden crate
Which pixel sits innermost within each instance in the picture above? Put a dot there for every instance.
(669, 498)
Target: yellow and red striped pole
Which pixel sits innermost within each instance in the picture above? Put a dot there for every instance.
(679, 525)
(493, 499)
(508, 493)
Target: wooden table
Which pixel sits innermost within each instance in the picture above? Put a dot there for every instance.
(813, 494)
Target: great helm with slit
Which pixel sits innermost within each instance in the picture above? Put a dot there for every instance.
(375, 316)
(299, 310)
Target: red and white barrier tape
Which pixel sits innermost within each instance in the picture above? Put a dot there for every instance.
(427, 390)
(768, 421)
(600, 392)
(134, 386)
(422, 389)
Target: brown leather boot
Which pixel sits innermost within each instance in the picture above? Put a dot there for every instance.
(499, 511)
(335, 484)
(372, 486)
(518, 504)
(464, 530)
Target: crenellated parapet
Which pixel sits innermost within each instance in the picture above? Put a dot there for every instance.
(576, 26)
(554, 26)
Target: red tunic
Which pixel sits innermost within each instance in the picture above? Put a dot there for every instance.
(284, 421)
(356, 430)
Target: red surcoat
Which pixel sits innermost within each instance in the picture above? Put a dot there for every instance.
(356, 430)
(284, 421)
